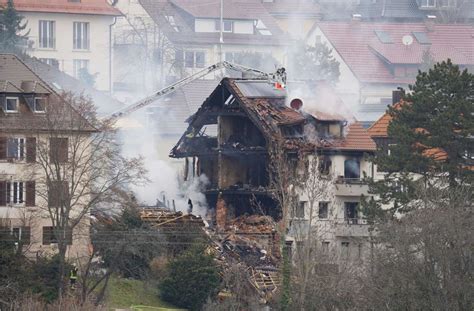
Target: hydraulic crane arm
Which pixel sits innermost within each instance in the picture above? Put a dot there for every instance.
(279, 76)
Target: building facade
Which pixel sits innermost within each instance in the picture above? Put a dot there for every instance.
(27, 144)
(74, 36)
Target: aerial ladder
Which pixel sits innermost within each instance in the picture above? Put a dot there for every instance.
(278, 78)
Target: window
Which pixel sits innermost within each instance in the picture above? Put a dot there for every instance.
(39, 104)
(57, 193)
(51, 61)
(428, 3)
(352, 169)
(300, 209)
(49, 236)
(448, 3)
(325, 165)
(80, 65)
(81, 36)
(16, 148)
(192, 59)
(422, 37)
(15, 192)
(58, 150)
(47, 34)
(325, 246)
(351, 212)
(345, 250)
(21, 234)
(200, 59)
(383, 36)
(323, 210)
(228, 25)
(12, 104)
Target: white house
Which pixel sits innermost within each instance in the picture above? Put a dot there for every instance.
(71, 35)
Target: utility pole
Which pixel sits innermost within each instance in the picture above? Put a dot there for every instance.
(221, 39)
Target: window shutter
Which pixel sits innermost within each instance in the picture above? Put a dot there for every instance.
(58, 150)
(30, 149)
(30, 193)
(3, 193)
(3, 148)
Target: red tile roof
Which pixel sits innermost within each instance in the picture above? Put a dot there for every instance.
(93, 7)
(366, 56)
(380, 127)
(357, 139)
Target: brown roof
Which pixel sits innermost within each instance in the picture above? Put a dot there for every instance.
(25, 80)
(94, 7)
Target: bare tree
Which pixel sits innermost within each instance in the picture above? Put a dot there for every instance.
(424, 259)
(78, 164)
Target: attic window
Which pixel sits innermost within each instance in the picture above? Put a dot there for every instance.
(262, 29)
(170, 19)
(12, 104)
(383, 36)
(421, 37)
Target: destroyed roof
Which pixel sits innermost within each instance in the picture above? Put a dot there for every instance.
(371, 60)
(266, 107)
(184, 13)
(92, 7)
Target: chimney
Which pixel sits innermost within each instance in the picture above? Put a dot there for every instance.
(397, 95)
(430, 22)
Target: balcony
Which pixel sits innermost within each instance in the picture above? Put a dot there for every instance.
(351, 227)
(353, 187)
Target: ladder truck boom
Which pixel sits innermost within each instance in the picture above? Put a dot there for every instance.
(279, 77)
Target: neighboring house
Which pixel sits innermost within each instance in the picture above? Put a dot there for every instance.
(192, 30)
(24, 100)
(72, 35)
(248, 116)
(376, 58)
(295, 17)
(399, 10)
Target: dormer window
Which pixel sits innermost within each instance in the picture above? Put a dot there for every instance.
(12, 104)
(39, 104)
(228, 26)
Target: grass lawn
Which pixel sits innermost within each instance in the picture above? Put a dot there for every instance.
(125, 293)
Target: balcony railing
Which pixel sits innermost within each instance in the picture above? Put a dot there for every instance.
(352, 227)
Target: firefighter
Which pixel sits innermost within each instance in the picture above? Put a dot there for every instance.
(73, 276)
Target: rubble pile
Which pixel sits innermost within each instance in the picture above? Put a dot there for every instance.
(251, 240)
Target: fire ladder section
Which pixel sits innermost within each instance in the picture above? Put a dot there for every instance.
(277, 78)
(265, 281)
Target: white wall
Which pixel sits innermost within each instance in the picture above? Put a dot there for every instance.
(204, 25)
(98, 54)
(244, 27)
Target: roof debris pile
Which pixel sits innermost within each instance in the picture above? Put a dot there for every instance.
(251, 240)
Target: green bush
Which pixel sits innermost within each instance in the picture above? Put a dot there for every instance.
(193, 277)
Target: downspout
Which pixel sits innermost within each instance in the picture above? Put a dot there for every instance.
(110, 55)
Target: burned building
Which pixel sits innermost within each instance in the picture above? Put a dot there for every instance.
(228, 140)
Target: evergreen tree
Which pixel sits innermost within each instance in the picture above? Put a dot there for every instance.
(313, 63)
(193, 277)
(11, 25)
(431, 135)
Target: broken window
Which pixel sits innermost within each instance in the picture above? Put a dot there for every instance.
(292, 131)
(323, 211)
(352, 169)
(351, 212)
